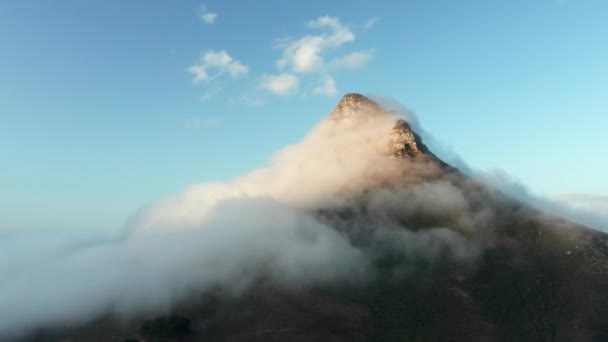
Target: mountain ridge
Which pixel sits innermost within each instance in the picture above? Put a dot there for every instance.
(450, 260)
(404, 141)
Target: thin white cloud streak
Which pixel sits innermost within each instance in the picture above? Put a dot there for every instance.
(200, 123)
(370, 23)
(281, 84)
(212, 64)
(211, 93)
(355, 60)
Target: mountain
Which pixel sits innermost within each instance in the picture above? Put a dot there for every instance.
(403, 141)
(455, 260)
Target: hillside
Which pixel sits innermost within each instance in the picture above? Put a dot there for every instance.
(453, 260)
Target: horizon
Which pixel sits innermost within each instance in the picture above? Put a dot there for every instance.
(106, 108)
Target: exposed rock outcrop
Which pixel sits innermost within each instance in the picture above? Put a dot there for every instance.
(355, 106)
(403, 141)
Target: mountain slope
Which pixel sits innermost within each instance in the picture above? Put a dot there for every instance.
(454, 261)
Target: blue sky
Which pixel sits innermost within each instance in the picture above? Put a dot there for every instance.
(106, 106)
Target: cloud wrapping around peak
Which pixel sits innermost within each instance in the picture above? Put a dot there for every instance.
(206, 16)
(212, 64)
(281, 84)
(265, 223)
(322, 211)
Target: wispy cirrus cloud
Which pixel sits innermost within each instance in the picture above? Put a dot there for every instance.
(303, 61)
(355, 60)
(213, 64)
(307, 54)
(281, 84)
(327, 87)
(370, 23)
(206, 16)
(200, 123)
(317, 53)
(211, 93)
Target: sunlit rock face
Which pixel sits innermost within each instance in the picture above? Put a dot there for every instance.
(356, 106)
(405, 142)
(402, 140)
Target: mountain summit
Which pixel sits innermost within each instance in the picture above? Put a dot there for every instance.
(434, 255)
(354, 105)
(403, 140)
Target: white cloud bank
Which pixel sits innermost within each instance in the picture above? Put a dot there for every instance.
(323, 211)
(266, 223)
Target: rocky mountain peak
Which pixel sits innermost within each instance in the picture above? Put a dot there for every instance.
(402, 140)
(355, 106)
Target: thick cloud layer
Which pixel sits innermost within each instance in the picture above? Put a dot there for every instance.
(323, 211)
